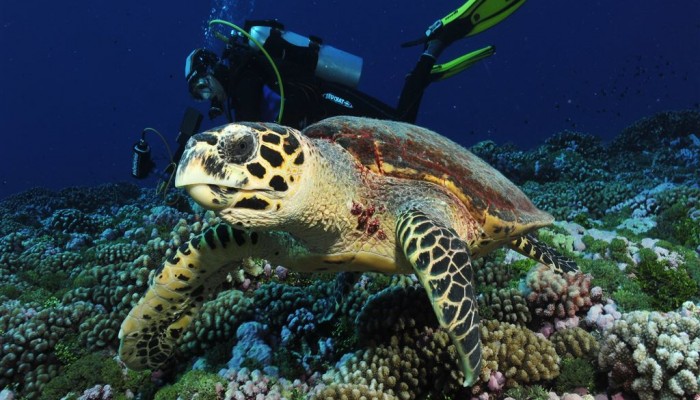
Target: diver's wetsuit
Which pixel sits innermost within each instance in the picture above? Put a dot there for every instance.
(309, 99)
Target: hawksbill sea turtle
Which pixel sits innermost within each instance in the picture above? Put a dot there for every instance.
(346, 194)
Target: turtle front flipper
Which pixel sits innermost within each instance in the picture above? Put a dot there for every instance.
(440, 259)
(532, 248)
(150, 332)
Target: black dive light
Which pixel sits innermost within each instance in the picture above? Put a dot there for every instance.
(141, 163)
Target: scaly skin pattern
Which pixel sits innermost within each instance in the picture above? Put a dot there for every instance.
(310, 204)
(442, 264)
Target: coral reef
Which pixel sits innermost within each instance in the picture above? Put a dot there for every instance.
(74, 262)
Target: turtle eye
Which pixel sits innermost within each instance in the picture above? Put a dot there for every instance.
(237, 150)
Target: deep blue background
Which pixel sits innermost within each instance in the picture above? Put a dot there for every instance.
(79, 80)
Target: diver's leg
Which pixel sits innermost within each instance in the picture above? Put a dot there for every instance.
(472, 17)
(416, 82)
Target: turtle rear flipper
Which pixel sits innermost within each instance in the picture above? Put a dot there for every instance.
(440, 259)
(532, 248)
(199, 267)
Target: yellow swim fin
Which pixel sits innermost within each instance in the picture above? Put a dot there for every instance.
(472, 17)
(459, 64)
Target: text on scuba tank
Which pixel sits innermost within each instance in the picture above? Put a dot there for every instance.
(337, 100)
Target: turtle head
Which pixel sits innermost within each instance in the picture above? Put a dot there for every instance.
(243, 171)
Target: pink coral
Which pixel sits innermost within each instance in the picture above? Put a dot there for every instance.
(556, 295)
(546, 329)
(252, 385)
(602, 316)
(565, 323)
(99, 392)
(496, 381)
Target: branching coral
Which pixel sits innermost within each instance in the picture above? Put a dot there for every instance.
(654, 355)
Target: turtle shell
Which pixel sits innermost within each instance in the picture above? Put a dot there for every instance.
(408, 151)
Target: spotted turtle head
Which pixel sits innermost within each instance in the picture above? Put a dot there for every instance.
(242, 169)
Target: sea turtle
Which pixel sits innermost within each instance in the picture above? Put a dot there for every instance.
(347, 194)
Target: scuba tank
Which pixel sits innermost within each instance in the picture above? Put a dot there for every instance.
(332, 64)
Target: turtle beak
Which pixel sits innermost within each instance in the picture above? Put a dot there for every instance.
(208, 179)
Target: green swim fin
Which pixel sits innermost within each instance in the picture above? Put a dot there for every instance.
(472, 17)
(459, 64)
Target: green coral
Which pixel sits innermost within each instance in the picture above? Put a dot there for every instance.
(534, 392)
(618, 251)
(10, 291)
(584, 220)
(524, 265)
(192, 385)
(67, 351)
(575, 373)
(345, 335)
(94, 369)
(667, 286)
(630, 297)
(558, 238)
(606, 273)
(676, 225)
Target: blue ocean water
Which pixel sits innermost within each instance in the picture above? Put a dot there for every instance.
(81, 80)
(600, 104)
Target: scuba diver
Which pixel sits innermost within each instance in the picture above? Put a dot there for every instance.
(268, 74)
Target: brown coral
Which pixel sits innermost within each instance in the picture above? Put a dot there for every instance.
(575, 343)
(345, 391)
(518, 353)
(505, 305)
